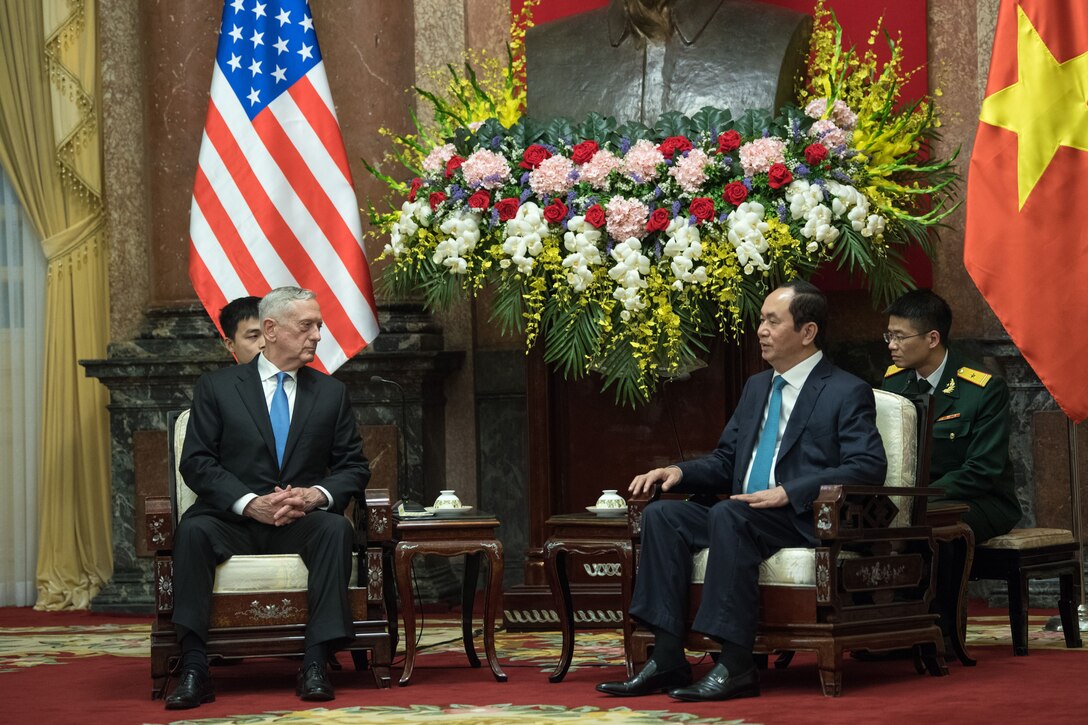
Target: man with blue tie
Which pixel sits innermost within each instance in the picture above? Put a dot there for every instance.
(798, 426)
(273, 453)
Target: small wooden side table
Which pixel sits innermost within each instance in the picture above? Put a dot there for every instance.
(586, 535)
(473, 536)
(950, 531)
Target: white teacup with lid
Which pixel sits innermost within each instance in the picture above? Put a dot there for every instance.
(447, 500)
(610, 499)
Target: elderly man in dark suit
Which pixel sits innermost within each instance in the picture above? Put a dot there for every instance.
(801, 425)
(273, 453)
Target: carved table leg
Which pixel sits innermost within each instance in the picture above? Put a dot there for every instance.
(626, 581)
(555, 564)
(468, 596)
(957, 547)
(403, 567)
(493, 605)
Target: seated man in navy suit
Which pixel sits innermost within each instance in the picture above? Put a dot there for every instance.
(272, 452)
(801, 425)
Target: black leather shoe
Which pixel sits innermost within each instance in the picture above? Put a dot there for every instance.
(649, 681)
(194, 688)
(313, 684)
(718, 684)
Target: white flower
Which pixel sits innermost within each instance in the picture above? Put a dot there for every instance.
(581, 240)
(683, 249)
(463, 230)
(631, 265)
(524, 238)
(745, 227)
(413, 215)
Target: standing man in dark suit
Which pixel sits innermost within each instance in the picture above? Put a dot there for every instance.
(273, 454)
(799, 426)
(970, 462)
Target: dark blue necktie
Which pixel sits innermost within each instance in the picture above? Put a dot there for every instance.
(760, 477)
(281, 417)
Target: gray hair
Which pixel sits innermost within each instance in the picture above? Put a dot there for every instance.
(274, 304)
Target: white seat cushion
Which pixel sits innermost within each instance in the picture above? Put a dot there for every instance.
(267, 573)
(793, 567)
(1029, 539)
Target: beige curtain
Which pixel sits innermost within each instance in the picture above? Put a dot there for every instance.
(49, 147)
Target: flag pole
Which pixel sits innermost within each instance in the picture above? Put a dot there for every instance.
(1054, 624)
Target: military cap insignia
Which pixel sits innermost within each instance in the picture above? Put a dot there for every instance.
(977, 377)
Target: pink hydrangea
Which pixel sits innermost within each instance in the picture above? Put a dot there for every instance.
(690, 170)
(756, 157)
(625, 218)
(485, 168)
(595, 171)
(436, 160)
(840, 114)
(552, 176)
(828, 133)
(641, 161)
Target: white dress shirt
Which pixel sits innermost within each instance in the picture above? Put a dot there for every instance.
(934, 378)
(795, 379)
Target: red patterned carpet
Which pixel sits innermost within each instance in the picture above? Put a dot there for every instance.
(83, 668)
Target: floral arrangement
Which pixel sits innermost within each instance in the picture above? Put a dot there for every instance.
(621, 248)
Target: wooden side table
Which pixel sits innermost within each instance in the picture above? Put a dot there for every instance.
(586, 535)
(951, 532)
(473, 536)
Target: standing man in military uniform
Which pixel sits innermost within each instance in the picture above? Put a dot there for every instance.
(970, 456)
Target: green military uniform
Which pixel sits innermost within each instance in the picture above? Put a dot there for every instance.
(970, 460)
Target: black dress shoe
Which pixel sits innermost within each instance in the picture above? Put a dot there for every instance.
(649, 681)
(194, 688)
(313, 684)
(718, 684)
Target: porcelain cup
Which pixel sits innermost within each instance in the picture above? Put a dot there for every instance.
(610, 499)
(447, 500)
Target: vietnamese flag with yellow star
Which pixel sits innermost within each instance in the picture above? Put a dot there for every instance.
(1026, 240)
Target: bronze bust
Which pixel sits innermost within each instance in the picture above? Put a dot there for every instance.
(636, 59)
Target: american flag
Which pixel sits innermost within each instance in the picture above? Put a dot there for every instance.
(273, 201)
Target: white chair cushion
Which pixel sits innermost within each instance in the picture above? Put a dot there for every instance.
(1029, 539)
(185, 495)
(897, 421)
(267, 573)
(793, 567)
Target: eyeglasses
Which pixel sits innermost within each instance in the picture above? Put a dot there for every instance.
(893, 337)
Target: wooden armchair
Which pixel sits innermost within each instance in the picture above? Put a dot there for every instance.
(869, 582)
(259, 604)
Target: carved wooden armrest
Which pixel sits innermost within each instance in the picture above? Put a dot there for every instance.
(842, 509)
(379, 516)
(158, 523)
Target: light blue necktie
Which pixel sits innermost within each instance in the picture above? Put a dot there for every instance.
(281, 417)
(760, 477)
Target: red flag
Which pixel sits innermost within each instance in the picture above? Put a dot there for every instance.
(1026, 245)
(273, 202)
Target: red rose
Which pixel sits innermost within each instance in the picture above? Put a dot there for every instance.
(659, 220)
(480, 200)
(507, 208)
(533, 156)
(436, 198)
(555, 212)
(702, 208)
(583, 152)
(595, 216)
(728, 142)
(735, 193)
(416, 184)
(453, 164)
(815, 153)
(674, 145)
(778, 176)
